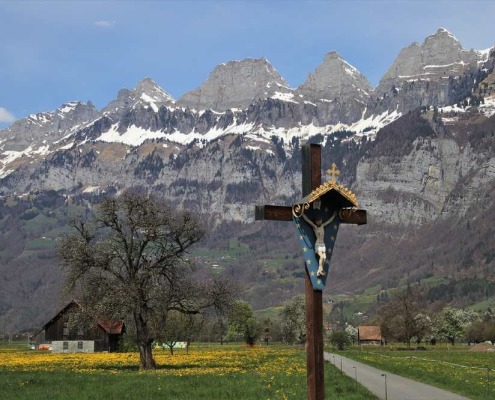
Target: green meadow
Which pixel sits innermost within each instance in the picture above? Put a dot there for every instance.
(207, 372)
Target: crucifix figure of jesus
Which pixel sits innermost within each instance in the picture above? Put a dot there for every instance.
(320, 248)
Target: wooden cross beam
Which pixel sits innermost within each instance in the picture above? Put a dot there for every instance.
(311, 179)
(284, 213)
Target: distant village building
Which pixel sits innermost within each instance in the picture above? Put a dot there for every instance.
(57, 335)
(369, 335)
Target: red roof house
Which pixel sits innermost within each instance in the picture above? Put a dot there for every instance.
(370, 335)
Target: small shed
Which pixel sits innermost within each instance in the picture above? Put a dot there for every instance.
(57, 335)
(370, 335)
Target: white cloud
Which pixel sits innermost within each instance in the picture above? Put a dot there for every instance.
(6, 116)
(105, 24)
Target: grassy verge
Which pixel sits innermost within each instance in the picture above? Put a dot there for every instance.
(341, 387)
(218, 373)
(458, 370)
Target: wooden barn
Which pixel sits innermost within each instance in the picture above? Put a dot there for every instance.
(56, 334)
(370, 335)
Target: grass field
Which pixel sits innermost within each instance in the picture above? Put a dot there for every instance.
(207, 372)
(456, 369)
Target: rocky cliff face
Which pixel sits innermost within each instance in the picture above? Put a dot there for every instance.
(338, 89)
(237, 84)
(412, 183)
(441, 55)
(335, 79)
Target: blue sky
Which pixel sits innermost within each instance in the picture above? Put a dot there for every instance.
(53, 52)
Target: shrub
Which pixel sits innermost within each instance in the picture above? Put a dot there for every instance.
(339, 339)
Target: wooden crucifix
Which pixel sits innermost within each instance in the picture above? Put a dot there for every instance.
(339, 201)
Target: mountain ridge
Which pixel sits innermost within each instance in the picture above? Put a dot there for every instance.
(420, 157)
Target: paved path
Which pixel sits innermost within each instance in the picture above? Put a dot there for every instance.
(398, 388)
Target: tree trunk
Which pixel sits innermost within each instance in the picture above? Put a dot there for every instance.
(146, 356)
(144, 341)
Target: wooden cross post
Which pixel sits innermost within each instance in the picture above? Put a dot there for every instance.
(311, 179)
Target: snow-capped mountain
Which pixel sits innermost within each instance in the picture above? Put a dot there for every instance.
(146, 137)
(146, 94)
(46, 127)
(39, 135)
(436, 73)
(439, 57)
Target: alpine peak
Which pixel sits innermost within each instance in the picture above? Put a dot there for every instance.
(236, 84)
(444, 32)
(332, 55)
(335, 78)
(441, 54)
(147, 93)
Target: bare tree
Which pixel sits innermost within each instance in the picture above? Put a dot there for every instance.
(129, 260)
(403, 316)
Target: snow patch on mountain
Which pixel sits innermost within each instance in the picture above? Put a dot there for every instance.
(484, 54)
(133, 136)
(150, 101)
(284, 97)
(487, 109)
(91, 189)
(68, 107)
(370, 126)
(10, 156)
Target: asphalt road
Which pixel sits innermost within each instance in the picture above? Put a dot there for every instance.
(398, 388)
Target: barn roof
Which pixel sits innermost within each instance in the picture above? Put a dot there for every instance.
(108, 325)
(111, 327)
(369, 333)
(72, 303)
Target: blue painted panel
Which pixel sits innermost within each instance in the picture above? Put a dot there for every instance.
(307, 239)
